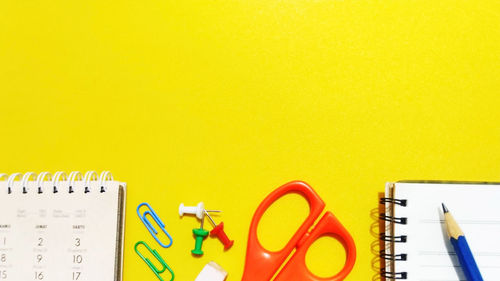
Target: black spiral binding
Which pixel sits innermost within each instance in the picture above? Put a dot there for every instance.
(58, 177)
(389, 275)
(393, 275)
(400, 202)
(400, 257)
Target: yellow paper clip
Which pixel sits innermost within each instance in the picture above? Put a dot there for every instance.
(156, 271)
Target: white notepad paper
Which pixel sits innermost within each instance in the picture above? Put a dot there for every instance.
(429, 254)
(61, 228)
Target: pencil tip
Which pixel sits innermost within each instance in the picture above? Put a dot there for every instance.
(445, 210)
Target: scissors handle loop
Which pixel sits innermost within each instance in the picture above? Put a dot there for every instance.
(296, 268)
(261, 264)
(149, 225)
(153, 268)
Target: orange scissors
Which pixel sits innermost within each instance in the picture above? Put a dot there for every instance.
(262, 264)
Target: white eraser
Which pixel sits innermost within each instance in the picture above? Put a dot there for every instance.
(212, 272)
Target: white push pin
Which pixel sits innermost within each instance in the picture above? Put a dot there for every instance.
(199, 210)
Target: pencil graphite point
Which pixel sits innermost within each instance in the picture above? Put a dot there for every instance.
(462, 250)
(445, 210)
(452, 227)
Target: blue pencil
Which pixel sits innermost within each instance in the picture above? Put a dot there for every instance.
(461, 247)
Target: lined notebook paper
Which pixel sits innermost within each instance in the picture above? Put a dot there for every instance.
(416, 244)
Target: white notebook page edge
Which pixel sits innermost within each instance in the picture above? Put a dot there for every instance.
(476, 207)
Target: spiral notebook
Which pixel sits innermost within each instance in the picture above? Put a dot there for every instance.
(58, 227)
(416, 244)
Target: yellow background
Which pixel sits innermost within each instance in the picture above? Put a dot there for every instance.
(223, 101)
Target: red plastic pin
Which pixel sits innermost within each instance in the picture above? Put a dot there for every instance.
(219, 232)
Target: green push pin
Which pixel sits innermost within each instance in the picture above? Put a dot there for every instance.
(200, 235)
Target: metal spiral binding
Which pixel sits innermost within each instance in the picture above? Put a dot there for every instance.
(393, 257)
(75, 175)
(393, 239)
(10, 181)
(385, 217)
(393, 275)
(25, 179)
(89, 176)
(390, 257)
(40, 179)
(56, 180)
(400, 202)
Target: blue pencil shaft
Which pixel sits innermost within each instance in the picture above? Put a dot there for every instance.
(466, 259)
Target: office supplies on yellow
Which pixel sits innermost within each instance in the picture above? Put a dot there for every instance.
(262, 264)
(150, 264)
(462, 250)
(150, 227)
(415, 242)
(60, 227)
(212, 272)
(199, 233)
(218, 231)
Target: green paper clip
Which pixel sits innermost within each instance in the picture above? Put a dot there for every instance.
(156, 271)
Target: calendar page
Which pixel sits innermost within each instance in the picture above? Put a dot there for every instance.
(63, 231)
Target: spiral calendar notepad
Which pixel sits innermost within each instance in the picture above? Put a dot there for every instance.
(416, 244)
(58, 227)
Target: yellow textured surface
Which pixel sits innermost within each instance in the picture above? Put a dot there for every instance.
(223, 101)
